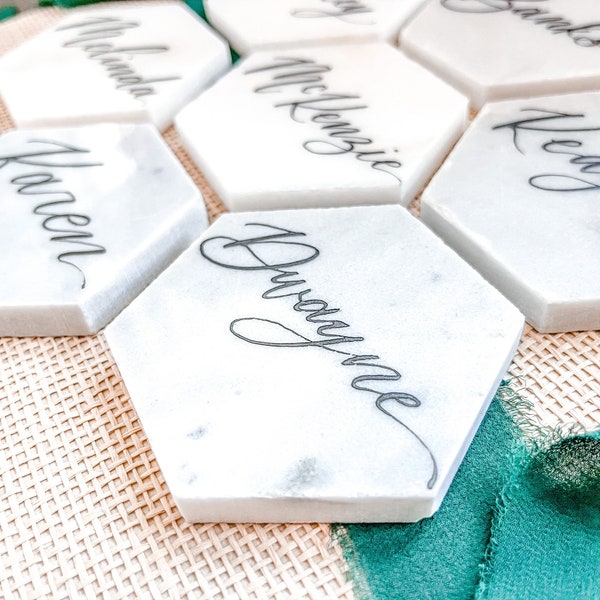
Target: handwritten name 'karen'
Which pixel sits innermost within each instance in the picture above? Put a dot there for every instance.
(38, 181)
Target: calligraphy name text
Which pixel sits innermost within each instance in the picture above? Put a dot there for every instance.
(91, 36)
(65, 226)
(563, 134)
(249, 254)
(309, 101)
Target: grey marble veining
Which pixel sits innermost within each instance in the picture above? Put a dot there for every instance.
(316, 365)
(519, 198)
(90, 215)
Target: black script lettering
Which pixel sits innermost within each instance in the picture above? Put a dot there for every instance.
(554, 24)
(321, 107)
(561, 183)
(551, 122)
(300, 253)
(586, 35)
(300, 72)
(343, 10)
(548, 121)
(58, 218)
(277, 330)
(41, 158)
(381, 405)
(116, 60)
(478, 6)
(107, 25)
(313, 103)
(527, 14)
(276, 250)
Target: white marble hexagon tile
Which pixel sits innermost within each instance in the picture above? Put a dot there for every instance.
(347, 124)
(262, 24)
(348, 352)
(519, 198)
(112, 63)
(498, 49)
(90, 216)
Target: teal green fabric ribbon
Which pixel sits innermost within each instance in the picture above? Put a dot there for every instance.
(545, 539)
(196, 5)
(521, 520)
(7, 11)
(68, 3)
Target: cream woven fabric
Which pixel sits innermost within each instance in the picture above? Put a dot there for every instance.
(84, 510)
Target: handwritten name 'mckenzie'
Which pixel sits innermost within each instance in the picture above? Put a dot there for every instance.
(331, 333)
(37, 181)
(92, 34)
(300, 89)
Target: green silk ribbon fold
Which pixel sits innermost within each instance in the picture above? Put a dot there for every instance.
(521, 520)
(7, 11)
(545, 539)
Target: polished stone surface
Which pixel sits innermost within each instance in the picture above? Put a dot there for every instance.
(315, 127)
(519, 198)
(315, 365)
(263, 24)
(500, 49)
(90, 216)
(124, 64)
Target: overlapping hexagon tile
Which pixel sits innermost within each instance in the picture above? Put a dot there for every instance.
(324, 365)
(501, 49)
(322, 126)
(265, 24)
(125, 63)
(90, 215)
(519, 198)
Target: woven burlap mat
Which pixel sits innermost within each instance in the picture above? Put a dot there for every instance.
(84, 510)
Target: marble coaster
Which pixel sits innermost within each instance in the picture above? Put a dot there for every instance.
(266, 24)
(90, 216)
(317, 365)
(316, 127)
(519, 198)
(132, 64)
(499, 49)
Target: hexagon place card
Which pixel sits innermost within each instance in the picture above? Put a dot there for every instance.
(322, 365)
(90, 216)
(115, 63)
(315, 127)
(519, 198)
(500, 49)
(262, 24)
